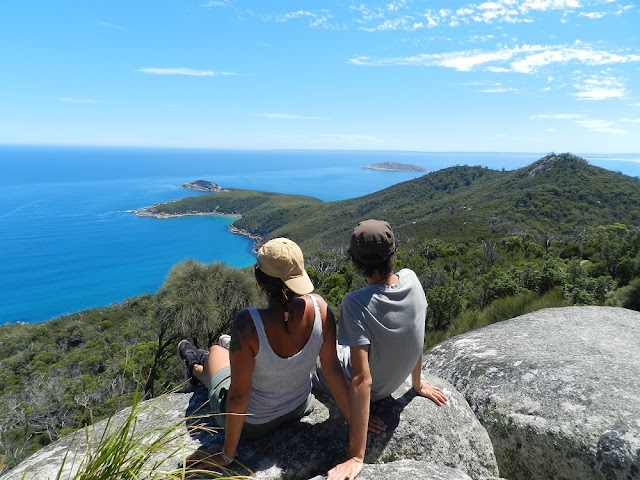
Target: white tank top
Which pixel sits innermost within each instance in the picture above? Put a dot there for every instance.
(279, 385)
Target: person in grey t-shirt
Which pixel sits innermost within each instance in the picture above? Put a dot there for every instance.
(383, 327)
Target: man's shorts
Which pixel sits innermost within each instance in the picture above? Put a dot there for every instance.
(218, 389)
(318, 379)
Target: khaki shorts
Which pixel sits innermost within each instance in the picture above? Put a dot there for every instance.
(218, 389)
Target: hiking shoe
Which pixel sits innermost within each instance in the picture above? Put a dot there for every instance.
(202, 356)
(224, 341)
(188, 354)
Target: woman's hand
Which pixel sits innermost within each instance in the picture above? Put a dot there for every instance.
(207, 459)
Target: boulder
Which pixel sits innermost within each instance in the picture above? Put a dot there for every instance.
(68, 453)
(448, 436)
(558, 390)
(408, 469)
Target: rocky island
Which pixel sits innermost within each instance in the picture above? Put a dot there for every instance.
(203, 186)
(395, 167)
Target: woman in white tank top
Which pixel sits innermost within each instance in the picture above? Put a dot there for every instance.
(264, 378)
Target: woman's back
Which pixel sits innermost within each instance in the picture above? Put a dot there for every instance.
(287, 339)
(284, 360)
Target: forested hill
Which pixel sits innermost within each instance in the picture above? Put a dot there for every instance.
(559, 195)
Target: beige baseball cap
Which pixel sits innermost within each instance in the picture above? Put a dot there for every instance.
(282, 258)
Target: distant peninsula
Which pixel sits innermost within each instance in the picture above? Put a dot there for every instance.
(395, 167)
(204, 186)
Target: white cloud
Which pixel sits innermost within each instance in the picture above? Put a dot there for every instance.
(630, 120)
(498, 90)
(564, 54)
(397, 5)
(77, 100)
(593, 15)
(600, 93)
(298, 14)
(318, 19)
(462, 61)
(182, 71)
(601, 126)
(401, 23)
(288, 116)
(524, 59)
(556, 116)
(215, 3)
(544, 5)
(508, 11)
(594, 87)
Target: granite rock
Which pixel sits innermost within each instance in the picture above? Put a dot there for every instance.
(558, 390)
(448, 436)
(408, 469)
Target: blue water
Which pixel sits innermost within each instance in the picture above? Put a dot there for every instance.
(69, 240)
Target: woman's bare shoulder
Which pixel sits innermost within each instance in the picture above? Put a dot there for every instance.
(243, 331)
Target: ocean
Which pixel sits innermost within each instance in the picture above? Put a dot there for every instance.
(69, 239)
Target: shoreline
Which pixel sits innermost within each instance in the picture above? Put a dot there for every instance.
(257, 239)
(145, 212)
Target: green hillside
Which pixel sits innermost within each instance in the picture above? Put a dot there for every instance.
(559, 195)
(260, 212)
(486, 246)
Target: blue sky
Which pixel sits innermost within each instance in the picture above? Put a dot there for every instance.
(503, 75)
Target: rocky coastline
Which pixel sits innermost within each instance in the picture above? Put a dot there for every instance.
(150, 212)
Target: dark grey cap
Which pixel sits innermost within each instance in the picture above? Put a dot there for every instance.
(372, 241)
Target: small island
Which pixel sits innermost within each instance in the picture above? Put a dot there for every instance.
(395, 167)
(204, 186)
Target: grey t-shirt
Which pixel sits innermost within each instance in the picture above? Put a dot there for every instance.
(391, 320)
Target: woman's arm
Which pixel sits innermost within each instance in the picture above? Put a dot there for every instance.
(243, 348)
(329, 360)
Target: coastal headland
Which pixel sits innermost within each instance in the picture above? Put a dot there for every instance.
(254, 212)
(152, 212)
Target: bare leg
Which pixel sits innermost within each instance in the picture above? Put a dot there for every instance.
(218, 359)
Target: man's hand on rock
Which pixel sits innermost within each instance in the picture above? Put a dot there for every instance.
(376, 425)
(347, 470)
(433, 393)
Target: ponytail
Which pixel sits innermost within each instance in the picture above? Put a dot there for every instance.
(275, 289)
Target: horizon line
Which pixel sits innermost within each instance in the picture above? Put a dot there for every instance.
(256, 149)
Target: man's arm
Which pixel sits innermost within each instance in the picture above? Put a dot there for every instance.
(359, 401)
(424, 388)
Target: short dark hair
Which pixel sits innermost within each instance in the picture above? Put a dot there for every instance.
(383, 268)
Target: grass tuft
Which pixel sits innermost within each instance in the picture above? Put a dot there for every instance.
(125, 452)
